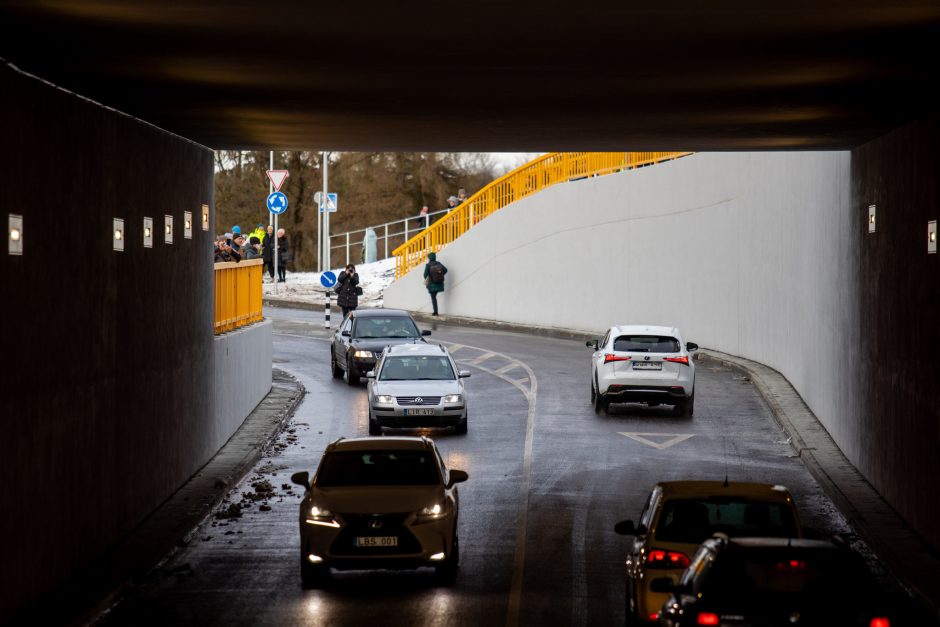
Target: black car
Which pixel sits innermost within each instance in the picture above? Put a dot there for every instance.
(773, 581)
(364, 334)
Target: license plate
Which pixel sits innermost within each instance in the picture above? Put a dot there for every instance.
(419, 412)
(377, 541)
(647, 365)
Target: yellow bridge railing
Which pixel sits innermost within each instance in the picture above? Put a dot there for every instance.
(237, 294)
(547, 170)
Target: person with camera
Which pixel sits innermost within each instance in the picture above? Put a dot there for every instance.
(347, 286)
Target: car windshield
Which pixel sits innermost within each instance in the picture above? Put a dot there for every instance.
(378, 468)
(647, 344)
(417, 368)
(695, 520)
(385, 327)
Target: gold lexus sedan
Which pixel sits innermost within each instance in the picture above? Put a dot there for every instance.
(680, 515)
(379, 503)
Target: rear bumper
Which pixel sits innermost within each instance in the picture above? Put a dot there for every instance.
(667, 394)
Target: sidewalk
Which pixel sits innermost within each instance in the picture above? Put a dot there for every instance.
(91, 592)
(896, 545)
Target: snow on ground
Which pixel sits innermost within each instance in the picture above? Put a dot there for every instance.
(305, 287)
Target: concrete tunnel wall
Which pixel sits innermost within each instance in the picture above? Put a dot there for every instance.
(115, 390)
(760, 255)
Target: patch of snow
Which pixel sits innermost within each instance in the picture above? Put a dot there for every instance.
(305, 287)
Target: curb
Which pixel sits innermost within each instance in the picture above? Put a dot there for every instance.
(171, 525)
(479, 323)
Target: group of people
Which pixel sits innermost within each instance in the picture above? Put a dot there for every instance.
(348, 289)
(260, 243)
(424, 220)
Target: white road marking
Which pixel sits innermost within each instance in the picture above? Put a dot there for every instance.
(455, 347)
(506, 369)
(674, 438)
(479, 360)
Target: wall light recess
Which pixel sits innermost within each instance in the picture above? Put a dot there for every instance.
(148, 232)
(932, 237)
(168, 229)
(15, 234)
(871, 218)
(118, 230)
(188, 224)
(205, 217)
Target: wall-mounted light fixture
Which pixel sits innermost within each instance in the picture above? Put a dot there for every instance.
(118, 234)
(188, 224)
(168, 229)
(15, 234)
(932, 237)
(148, 232)
(871, 218)
(205, 217)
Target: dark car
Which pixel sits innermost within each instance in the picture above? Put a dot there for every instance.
(364, 334)
(773, 581)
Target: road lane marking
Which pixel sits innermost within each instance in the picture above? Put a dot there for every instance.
(479, 360)
(455, 347)
(674, 438)
(506, 369)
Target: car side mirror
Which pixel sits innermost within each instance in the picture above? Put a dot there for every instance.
(627, 528)
(691, 346)
(346, 333)
(457, 476)
(301, 478)
(425, 333)
(591, 344)
(663, 584)
(370, 374)
(463, 374)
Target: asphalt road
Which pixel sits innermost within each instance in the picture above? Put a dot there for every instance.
(548, 480)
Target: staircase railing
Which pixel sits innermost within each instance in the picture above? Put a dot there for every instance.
(545, 171)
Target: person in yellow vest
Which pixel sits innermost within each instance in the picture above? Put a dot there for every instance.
(258, 232)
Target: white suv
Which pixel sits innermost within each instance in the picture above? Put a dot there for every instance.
(643, 364)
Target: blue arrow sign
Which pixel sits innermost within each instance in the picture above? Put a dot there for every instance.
(328, 279)
(277, 203)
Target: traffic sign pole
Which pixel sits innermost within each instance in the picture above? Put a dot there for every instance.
(273, 222)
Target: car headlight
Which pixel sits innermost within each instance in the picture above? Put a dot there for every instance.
(363, 355)
(321, 516)
(432, 512)
(453, 398)
(385, 399)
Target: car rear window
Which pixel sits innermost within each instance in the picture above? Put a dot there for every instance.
(385, 327)
(647, 344)
(417, 368)
(378, 468)
(695, 520)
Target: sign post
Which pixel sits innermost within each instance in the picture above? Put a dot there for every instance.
(277, 204)
(327, 280)
(276, 178)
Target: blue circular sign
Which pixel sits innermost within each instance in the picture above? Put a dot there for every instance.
(328, 279)
(277, 203)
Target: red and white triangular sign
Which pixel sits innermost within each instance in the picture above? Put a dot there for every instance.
(277, 178)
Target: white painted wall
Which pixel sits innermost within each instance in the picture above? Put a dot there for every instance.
(747, 253)
(241, 371)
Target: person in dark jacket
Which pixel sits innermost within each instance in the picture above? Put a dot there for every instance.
(253, 249)
(267, 250)
(347, 287)
(434, 272)
(283, 256)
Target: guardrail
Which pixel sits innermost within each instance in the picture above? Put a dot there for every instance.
(547, 170)
(237, 294)
(413, 224)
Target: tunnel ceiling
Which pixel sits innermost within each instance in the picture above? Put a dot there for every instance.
(489, 76)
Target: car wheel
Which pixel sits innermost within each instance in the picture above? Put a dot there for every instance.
(447, 572)
(374, 427)
(629, 618)
(685, 409)
(593, 393)
(461, 427)
(337, 371)
(600, 403)
(313, 576)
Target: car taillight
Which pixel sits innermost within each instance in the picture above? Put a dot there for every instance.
(658, 558)
(654, 616)
(880, 621)
(707, 618)
(609, 358)
(678, 360)
(791, 566)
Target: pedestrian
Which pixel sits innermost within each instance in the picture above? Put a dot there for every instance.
(283, 256)
(434, 273)
(347, 286)
(423, 221)
(258, 232)
(238, 242)
(451, 202)
(461, 195)
(253, 249)
(267, 251)
(236, 230)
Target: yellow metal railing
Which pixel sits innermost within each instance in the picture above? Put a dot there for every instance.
(237, 294)
(547, 170)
